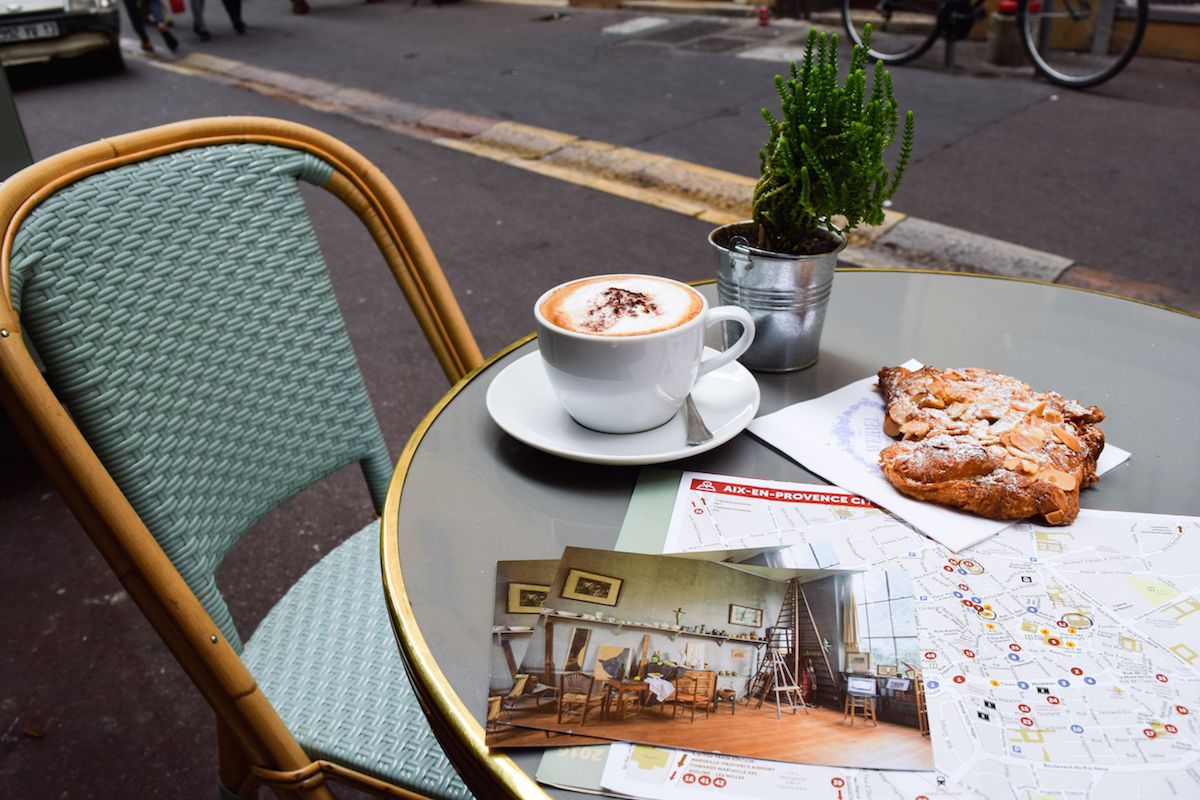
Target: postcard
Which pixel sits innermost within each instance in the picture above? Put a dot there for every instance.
(762, 662)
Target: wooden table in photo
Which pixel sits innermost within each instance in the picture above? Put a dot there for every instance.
(623, 694)
(466, 495)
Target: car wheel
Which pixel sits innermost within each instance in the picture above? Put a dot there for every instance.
(110, 61)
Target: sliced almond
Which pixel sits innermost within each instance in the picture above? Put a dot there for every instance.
(931, 401)
(1021, 439)
(915, 428)
(1012, 463)
(1029, 467)
(890, 427)
(955, 410)
(1038, 409)
(1019, 453)
(1052, 415)
(1037, 433)
(1064, 435)
(1063, 480)
(1056, 517)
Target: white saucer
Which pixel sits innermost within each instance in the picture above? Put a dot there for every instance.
(522, 402)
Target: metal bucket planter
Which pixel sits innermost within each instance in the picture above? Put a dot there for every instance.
(785, 294)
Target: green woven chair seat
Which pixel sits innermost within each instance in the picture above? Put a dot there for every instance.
(326, 658)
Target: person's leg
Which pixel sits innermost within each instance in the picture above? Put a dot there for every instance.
(234, 9)
(154, 14)
(134, 10)
(198, 21)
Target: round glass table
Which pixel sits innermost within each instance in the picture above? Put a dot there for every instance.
(465, 495)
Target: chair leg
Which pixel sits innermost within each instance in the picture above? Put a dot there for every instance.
(235, 780)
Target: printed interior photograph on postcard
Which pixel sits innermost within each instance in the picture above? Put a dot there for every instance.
(521, 591)
(802, 665)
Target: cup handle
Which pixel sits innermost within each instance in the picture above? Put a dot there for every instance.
(732, 314)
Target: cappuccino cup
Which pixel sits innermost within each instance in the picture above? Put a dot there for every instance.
(622, 352)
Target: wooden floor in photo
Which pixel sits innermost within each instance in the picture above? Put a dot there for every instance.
(820, 737)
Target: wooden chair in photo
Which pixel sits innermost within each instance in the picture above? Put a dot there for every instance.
(512, 698)
(694, 689)
(540, 692)
(577, 696)
(493, 712)
(199, 373)
(624, 700)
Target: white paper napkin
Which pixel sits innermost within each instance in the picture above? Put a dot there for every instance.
(839, 436)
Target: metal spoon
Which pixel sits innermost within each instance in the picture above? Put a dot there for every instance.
(697, 431)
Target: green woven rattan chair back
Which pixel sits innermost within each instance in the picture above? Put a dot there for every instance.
(186, 320)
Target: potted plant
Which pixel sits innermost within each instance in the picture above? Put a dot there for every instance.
(822, 173)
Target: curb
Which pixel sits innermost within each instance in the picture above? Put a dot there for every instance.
(712, 8)
(712, 195)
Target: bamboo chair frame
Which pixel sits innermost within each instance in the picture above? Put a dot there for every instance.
(255, 747)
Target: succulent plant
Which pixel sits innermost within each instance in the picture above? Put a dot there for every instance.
(825, 157)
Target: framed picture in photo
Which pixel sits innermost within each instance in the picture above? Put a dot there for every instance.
(526, 598)
(887, 670)
(591, 588)
(745, 615)
(858, 662)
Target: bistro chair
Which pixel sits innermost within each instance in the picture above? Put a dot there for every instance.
(198, 373)
(694, 690)
(576, 696)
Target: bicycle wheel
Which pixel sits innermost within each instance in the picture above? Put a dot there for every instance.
(901, 30)
(1080, 43)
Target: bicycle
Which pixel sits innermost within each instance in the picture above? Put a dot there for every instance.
(1073, 43)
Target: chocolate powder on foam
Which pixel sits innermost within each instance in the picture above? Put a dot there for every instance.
(616, 303)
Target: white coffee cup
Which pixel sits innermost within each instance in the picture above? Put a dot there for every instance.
(634, 381)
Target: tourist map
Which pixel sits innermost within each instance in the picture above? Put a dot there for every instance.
(1057, 662)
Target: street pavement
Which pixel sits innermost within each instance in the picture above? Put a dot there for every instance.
(1096, 187)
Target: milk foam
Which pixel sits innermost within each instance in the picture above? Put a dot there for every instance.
(622, 305)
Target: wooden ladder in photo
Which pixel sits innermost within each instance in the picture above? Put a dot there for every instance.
(780, 665)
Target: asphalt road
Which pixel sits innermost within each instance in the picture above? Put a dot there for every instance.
(91, 706)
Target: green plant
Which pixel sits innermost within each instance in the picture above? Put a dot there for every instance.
(825, 157)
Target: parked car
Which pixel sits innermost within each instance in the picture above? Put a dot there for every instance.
(42, 30)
